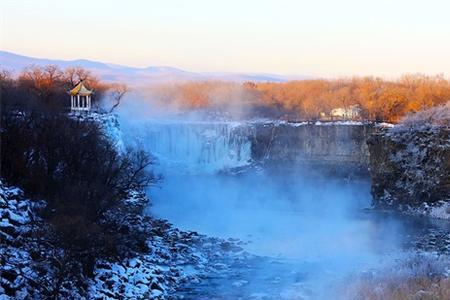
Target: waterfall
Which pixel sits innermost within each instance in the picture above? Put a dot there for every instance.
(208, 147)
(196, 146)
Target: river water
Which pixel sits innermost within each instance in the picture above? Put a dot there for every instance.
(308, 232)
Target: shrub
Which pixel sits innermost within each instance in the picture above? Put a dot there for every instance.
(438, 115)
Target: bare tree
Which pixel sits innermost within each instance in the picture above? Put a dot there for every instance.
(73, 75)
(118, 91)
(45, 84)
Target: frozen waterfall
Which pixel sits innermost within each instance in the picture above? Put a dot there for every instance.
(196, 146)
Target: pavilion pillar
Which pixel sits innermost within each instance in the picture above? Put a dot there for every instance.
(80, 98)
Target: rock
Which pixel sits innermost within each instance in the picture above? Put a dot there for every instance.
(156, 286)
(333, 148)
(410, 168)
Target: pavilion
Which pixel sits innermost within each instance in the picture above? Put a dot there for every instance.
(80, 98)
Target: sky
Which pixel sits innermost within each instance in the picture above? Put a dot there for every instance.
(316, 37)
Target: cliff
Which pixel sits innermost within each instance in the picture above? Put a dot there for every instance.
(109, 123)
(329, 147)
(410, 167)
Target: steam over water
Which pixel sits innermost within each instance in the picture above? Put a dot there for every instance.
(307, 231)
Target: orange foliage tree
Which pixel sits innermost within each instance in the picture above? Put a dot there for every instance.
(378, 99)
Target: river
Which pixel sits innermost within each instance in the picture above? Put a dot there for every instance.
(307, 231)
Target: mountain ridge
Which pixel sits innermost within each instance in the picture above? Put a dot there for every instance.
(137, 76)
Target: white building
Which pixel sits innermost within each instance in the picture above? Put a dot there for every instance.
(80, 98)
(351, 112)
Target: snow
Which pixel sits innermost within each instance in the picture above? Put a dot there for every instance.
(435, 116)
(304, 123)
(441, 211)
(420, 156)
(109, 123)
(12, 211)
(334, 123)
(5, 223)
(129, 278)
(418, 149)
(384, 125)
(15, 215)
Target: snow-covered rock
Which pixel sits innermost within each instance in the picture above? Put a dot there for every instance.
(16, 218)
(109, 123)
(410, 168)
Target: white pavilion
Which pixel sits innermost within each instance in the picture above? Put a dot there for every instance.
(80, 98)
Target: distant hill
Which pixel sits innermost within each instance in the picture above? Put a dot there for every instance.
(136, 76)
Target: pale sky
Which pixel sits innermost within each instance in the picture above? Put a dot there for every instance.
(315, 37)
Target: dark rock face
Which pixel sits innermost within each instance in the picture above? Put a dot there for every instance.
(410, 166)
(331, 148)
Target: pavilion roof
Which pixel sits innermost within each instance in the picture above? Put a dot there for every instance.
(80, 89)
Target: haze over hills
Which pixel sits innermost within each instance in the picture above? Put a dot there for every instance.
(137, 76)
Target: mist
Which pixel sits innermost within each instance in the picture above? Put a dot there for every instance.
(309, 230)
(194, 101)
(286, 215)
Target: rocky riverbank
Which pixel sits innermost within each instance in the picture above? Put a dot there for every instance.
(410, 169)
(174, 257)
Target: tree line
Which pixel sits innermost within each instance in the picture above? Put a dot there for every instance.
(378, 99)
